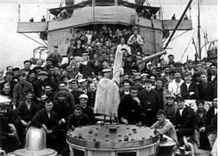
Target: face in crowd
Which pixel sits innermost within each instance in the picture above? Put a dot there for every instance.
(48, 105)
(170, 101)
(204, 78)
(134, 93)
(177, 77)
(215, 102)
(180, 104)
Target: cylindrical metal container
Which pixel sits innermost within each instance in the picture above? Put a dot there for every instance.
(112, 140)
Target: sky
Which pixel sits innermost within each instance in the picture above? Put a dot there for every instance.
(15, 47)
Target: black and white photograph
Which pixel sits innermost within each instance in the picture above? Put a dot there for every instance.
(109, 77)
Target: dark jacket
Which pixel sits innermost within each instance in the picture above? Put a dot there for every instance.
(76, 94)
(206, 91)
(186, 122)
(41, 117)
(185, 92)
(211, 121)
(88, 111)
(129, 109)
(22, 112)
(76, 122)
(63, 107)
(149, 106)
(170, 111)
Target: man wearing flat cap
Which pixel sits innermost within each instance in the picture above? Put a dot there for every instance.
(189, 89)
(149, 100)
(170, 107)
(20, 88)
(184, 120)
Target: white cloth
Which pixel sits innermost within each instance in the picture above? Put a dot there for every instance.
(174, 87)
(124, 46)
(107, 97)
(117, 67)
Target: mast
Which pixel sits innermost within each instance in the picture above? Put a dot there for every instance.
(178, 23)
(199, 35)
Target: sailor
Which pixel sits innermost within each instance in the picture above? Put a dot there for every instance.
(83, 101)
(149, 99)
(164, 126)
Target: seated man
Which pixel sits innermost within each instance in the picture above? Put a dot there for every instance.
(164, 126)
(170, 107)
(211, 123)
(48, 119)
(184, 120)
(78, 118)
(87, 110)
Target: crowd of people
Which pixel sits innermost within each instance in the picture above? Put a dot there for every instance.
(58, 97)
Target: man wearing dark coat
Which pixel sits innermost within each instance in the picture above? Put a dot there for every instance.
(149, 100)
(63, 102)
(48, 119)
(211, 123)
(24, 113)
(20, 88)
(87, 110)
(184, 120)
(189, 89)
(129, 108)
(78, 118)
(206, 89)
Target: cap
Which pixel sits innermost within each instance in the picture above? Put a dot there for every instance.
(81, 80)
(9, 72)
(170, 96)
(144, 74)
(187, 74)
(84, 96)
(43, 73)
(28, 92)
(161, 112)
(179, 98)
(26, 61)
(38, 67)
(147, 81)
(16, 69)
(106, 70)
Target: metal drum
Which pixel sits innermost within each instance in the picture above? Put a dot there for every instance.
(112, 140)
(35, 144)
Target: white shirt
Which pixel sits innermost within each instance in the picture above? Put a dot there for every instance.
(174, 87)
(181, 112)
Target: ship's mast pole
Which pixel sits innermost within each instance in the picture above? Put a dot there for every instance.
(177, 25)
(199, 35)
(19, 15)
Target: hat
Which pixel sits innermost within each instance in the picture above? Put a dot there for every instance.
(9, 72)
(161, 112)
(84, 96)
(106, 70)
(50, 59)
(179, 98)
(170, 96)
(85, 54)
(43, 73)
(26, 61)
(38, 67)
(16, 69)
(81, 80)
(144, 74)
(187, 74)
(28, 92)
(147, 81)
